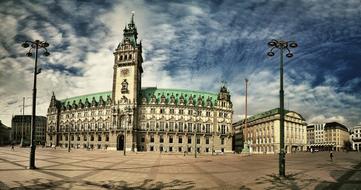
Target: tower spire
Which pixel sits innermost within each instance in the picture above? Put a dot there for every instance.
(132, 21)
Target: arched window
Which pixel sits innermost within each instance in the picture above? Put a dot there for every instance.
(125, 57)
(130, 56)
(121, 58)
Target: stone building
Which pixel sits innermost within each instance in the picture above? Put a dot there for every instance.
(238, 142)
(327, 136)
(21, 129)
(133, 118)
(356, 138)
(262, 135)
(4, 134)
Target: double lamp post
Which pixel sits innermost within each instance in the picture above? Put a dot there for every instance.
(282, 46)
(37, 44)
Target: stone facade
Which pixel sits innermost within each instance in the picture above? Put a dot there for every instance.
(4, 134)
(262, 134)
(133, 118)
(356, 138)
(327, 136)
(21, 129)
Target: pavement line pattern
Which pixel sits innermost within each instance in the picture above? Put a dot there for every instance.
(211, 177)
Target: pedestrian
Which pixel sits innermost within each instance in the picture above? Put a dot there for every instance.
(331, 155)
(12, 147)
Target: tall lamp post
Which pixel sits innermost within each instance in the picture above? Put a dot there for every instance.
(282, 46)
(34, 45)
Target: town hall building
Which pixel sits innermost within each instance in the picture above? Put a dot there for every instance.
(133, 118)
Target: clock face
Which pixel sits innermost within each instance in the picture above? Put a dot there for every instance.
(124, 72)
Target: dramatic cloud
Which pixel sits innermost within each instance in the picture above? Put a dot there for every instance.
(190, 45)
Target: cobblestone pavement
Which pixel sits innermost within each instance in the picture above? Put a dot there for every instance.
(99, 169)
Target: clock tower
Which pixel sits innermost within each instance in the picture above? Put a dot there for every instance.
(127, 72)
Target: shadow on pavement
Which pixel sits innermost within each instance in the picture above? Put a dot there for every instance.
(350, 179)
(82, 184)
(291, 181)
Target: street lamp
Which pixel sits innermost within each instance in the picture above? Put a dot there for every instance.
(282, 46)
(34, 45)
(69, 137)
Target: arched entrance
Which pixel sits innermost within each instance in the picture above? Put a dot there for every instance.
(120, 142)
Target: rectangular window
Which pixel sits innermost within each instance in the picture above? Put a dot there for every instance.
(161, 110)
(189, 140)
(171, 111)
(189, 127)
(190, 112)
(171, 139)
(180, 112)
(171, 126)
(208, 114)
(180, 140)
(179, 149)
(161, 126)
(222, 141)
(152, 139)
(180, 129)
(152, 125)
(142, 139)
(198, 140)
(207, 140)
(161, 140)
(223, 129)
(208, 128)
(199, 127)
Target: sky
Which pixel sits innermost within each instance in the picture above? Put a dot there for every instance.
(189, 45)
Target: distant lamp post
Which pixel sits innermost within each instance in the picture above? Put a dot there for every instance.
(34, 45)
(282, 46)
(69, 127)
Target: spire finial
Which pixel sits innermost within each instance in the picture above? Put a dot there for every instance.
(132, 21)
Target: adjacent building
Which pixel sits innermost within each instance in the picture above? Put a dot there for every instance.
(355, 138)
(4, 134)
(327, 136)
(262, 135)
(134, 118)
(238, 142)
(21, 129)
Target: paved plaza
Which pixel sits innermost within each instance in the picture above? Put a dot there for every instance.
(99, 169)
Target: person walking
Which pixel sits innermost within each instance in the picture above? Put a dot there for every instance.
(331, 155)
(12, 147)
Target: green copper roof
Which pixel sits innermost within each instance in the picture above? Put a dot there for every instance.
(158, 92)
(84, 97)
(268, 113)
(265, 114)
(148, 93)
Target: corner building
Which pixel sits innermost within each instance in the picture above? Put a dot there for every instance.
(262, 135)
(133, 118)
